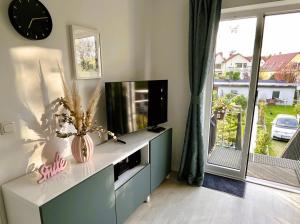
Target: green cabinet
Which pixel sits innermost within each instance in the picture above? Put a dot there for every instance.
(133, 193)
(160, 158)
(92, 201)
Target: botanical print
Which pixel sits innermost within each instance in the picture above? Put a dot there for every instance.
(86, 56)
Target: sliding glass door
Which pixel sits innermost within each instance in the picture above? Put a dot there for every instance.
(275, 146)
(253, 111)
(230, 92)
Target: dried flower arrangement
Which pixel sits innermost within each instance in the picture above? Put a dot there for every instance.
(74, 115)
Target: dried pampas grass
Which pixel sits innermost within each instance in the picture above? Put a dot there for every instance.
(82, 121)
(92, 105)
(78, 113)
(68, 96)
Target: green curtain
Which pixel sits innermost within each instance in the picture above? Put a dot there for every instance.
(203, 27)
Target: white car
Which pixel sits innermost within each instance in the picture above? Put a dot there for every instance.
(284, 126)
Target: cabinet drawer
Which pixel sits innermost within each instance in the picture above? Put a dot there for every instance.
(92, 201)
(132, 194)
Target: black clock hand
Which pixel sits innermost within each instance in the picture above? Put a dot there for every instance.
(37, 18)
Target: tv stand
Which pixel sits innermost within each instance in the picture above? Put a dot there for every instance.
(102, 199)
(156, 129)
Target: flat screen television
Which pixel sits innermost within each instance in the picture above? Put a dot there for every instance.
(136, 105)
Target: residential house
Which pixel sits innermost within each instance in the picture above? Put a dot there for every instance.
(277, 63)
(238, 63)
(263, 59)
(219, 64)
(235, 63)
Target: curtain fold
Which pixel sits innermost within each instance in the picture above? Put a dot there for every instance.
(203, 27)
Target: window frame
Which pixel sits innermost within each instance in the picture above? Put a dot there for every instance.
(237, 65)
(275, 91)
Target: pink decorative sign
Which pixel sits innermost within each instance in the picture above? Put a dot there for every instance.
(48, 171)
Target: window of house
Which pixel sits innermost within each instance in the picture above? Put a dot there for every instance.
(245, 65)
(238, 65)
(275, 94)
(217, 66)
(296, 66)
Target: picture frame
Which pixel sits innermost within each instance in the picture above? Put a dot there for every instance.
(86, 52)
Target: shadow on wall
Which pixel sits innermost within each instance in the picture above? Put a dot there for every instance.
(47, 144)
(30, 102)
(38, 84)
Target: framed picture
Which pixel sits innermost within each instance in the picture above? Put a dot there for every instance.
(86, 52)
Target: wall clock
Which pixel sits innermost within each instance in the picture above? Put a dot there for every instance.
(30, 18)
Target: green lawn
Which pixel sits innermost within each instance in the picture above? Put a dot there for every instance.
(271, 111)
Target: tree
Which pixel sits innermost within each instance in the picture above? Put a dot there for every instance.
(214, 95)
(297, 108)
(261, 112)
(235, 99)
(263, 142)
(236, 76)
(221, 104)
(240, 100)
(290, 73)
(230, 103)
(233, 75)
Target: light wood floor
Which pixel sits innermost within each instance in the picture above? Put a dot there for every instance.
(175, 203)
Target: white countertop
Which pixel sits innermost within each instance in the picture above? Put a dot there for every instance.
(104, 155)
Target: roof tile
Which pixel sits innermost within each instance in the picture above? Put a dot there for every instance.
(277, 62)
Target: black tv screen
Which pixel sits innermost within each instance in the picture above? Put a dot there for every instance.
(132, 106)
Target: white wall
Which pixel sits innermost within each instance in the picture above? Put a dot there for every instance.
(264, 93)
(219, 59)
(231, 63)
(170, 61)
(286, 94)
(25, 91)
(223, 90)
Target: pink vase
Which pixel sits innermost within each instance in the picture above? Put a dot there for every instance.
(82, 148)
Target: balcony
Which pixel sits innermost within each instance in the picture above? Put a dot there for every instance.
(225, 150)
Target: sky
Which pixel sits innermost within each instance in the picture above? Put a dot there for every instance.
(281, 35)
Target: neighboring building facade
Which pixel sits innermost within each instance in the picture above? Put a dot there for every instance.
(267, 90)
(238, 63)
(278, 63)
(234, 63)
(263, 60)
(219, 64)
